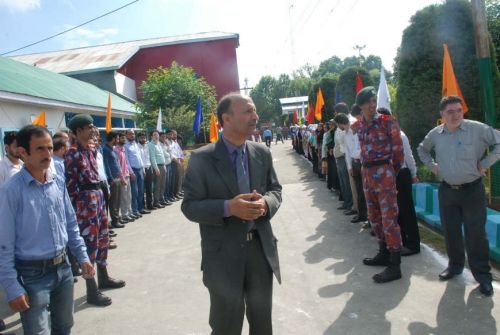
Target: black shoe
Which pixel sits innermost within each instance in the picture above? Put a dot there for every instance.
(448, 274)
(357, 219)
(130, 218)
(151, 208)
(342, 208)
(124, 220)
(115, 224)
(137, 215)
(391, 272)
(94, 296)
(2, 325)
(144, 212)
(105, 281)
(112, 233)
(158, 206)
(382, 258)
(366, 225)
(408, 252)
(350, 212)
(486, 289)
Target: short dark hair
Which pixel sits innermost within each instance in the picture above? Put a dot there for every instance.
(59, 142)
(24, 135)
(60, 133)
(154, 131)
(121, 134)
(225, 105)
(341, 118)
(111, 136)
(355, 110)
(451, 99)
(9, 137)
(140, 134)
(341, 107)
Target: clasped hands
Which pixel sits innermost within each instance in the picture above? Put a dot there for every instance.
(248, 206)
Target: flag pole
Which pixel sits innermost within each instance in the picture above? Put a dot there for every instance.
(204, 130)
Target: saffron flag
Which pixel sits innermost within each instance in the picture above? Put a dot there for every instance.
(198, 118)
(383, 97)
(450, 83)
(214, 129)
(108, 115)
(359, 83)
(295, 117)
(310, 115)
(158, 122)
(40, 120)
(320, 102)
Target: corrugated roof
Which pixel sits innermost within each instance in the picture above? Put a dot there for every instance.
(20, 78)
(109, 56)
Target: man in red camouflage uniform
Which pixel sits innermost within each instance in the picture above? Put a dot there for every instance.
(382, 157)
(83, 184)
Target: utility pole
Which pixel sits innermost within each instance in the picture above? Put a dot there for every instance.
(484, 61)
(359, 48)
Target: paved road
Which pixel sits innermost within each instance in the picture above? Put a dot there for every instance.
(326, 289)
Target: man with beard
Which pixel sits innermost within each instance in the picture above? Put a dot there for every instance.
(232, 191)
(83, 183)
(147, 196)
(11, 163)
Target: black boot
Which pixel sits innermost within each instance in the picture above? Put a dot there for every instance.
(94, 296)
(116, 224)
(380, 259)
(105, 281)
(392, 272)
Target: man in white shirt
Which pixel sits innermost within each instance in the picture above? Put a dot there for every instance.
(11, 163)
(177, 164)
(339, 153)
(352, 154)
(148, 172)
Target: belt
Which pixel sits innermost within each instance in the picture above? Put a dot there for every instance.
(375, 163)
(59, 259)
(252, 235)
(461, 186)
(90, 187)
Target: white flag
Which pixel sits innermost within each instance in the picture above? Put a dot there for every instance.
(158, 122)
(383, 96)
(303, 110)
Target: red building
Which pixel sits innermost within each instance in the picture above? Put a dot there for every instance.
(121, 67)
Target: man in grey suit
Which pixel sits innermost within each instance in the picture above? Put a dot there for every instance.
(232, 191)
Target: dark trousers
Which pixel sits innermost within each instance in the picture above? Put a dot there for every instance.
(358, 181)
(148, 187)
(467, 206)
(268, 140)
(333, 178)
(231, 293)
(315, 162)
(345, 186)
(114, 200)
(407, 217)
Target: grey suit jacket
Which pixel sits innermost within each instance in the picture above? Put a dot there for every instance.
(210, 180)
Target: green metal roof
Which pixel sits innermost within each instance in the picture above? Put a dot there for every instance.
(20, 78)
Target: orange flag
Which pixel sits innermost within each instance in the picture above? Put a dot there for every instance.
(320, 102)
(40, 120)
(214, 131)
(108, 115)
(450, 83)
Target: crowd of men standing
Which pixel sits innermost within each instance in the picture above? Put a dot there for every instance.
(367, 160)
(62, 197)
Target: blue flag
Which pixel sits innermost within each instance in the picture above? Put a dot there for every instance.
(198, 118)
(338, 98)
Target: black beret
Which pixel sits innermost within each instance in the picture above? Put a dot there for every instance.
(365, 94)
(80, 121)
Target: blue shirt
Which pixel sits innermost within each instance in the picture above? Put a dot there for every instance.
(59, 165)
(110, 163)
(38, 223)
(267, 133)
(133, 155)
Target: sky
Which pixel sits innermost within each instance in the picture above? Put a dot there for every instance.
(276, 36)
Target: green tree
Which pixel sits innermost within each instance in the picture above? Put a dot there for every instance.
(493, 17)
(346, 85)
(419, 65)
(175, 90)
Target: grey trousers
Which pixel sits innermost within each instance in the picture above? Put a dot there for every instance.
(159, 185)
